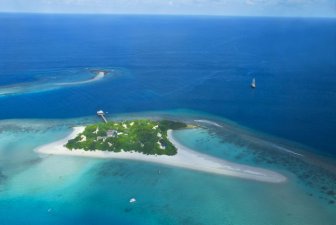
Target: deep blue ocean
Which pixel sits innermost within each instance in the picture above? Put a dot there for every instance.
(193, 68)
(171, 62)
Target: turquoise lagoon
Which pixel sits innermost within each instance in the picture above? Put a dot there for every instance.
(46, 189)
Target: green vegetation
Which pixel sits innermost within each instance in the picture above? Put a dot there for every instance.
(145, 136)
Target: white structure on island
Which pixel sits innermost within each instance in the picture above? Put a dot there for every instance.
(102, 115)
(111, 133)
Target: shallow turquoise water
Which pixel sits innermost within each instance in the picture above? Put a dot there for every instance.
(315, 175)
(70, 190)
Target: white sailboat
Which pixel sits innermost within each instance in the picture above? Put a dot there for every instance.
(253, 84)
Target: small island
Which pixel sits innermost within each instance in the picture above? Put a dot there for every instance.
(144, 136)
(149, 141)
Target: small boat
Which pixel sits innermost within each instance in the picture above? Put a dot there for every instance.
(253, 84)
(132, 200)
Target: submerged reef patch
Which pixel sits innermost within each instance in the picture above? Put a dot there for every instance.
(55, 79)
(317, 174)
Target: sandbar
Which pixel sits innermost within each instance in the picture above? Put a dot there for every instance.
(99, 76)
(185, 158)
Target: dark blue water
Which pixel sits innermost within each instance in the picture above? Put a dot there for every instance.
(198, 63)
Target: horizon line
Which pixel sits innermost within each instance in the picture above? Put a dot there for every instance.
(165, 14)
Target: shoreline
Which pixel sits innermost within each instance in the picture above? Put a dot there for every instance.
(185, 158)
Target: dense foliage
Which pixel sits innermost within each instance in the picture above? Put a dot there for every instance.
(145, 136)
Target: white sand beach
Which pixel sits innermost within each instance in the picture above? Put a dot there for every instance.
(185, 158)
